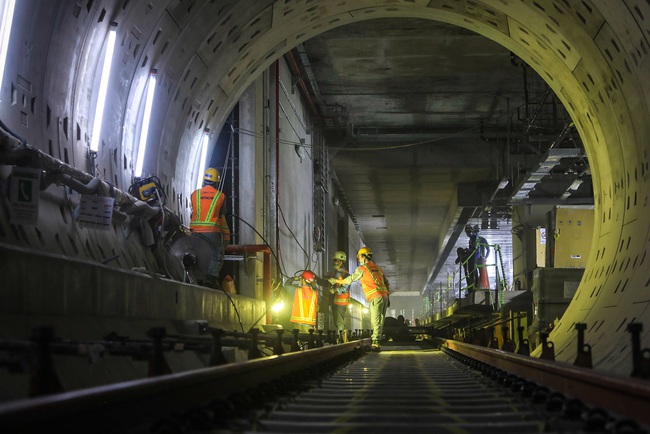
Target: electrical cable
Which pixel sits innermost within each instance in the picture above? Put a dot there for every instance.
(224, 170)
(295, 238)
(283, 272)
(236, 310)
(160, 246)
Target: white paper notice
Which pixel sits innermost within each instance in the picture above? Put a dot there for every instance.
(96, 212)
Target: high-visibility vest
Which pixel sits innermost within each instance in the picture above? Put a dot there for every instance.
(305, 303)
(206, 206)
(341, 299)
(225, 230)
(372, 281)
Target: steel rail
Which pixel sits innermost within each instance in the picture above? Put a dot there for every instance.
(628, 397)
(120, 406)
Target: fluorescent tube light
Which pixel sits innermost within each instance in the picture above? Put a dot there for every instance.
(144, 130)
(6, 20)
(7, 17)
(204, 155)
(103, 87)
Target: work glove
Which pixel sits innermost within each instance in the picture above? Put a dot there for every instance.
(332, 280)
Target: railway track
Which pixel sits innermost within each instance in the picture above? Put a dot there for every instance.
(411, 388)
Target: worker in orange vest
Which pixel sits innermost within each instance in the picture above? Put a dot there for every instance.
(305, 301)
(375, 288)
(208, 222)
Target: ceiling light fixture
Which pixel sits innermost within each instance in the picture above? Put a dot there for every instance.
(205, 139)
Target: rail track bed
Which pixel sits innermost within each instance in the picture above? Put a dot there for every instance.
(406, 388)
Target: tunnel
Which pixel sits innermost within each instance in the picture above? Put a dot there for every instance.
(206, 57)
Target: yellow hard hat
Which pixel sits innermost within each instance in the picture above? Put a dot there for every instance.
(364, 251)
(211, 175)
(339, 255)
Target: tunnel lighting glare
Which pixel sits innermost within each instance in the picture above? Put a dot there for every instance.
(365, 310)
(103, 87)
(575, 185)
(277, 306)
(144, 130)
(204, 155)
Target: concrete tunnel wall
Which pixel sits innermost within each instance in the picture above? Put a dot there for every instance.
(592, 54)
(594, 57)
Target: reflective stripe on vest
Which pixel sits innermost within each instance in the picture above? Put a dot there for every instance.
(225, 230)
(373, 287)
(211, 222)
(341, 299)
(304, 307)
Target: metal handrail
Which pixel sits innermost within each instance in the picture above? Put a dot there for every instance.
(457, 283)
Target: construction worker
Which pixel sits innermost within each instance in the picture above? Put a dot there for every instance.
(341, 294)
(470, 258)
(375, 288)
(305, 301)
(481, 250)
(208, 222)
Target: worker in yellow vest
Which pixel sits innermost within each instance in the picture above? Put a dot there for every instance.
(375, 288)
(208, 222)
(305, 301)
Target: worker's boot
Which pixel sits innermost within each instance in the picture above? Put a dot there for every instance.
(212, 282)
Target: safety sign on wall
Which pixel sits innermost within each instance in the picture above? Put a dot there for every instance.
(23, 196)
(95, 212)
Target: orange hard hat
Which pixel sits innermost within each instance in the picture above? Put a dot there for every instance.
(309, 276)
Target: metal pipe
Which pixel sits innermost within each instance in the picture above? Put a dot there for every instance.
(13, 152)
(266, 271)
(301, 83)
(78, 186)
(277, 157)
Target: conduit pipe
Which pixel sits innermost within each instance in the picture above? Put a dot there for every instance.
(301, 83)
(266, 271)
(61, 178)
(277, 159)
(305, 92)
(14, 152)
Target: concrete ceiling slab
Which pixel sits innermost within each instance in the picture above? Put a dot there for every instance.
(401, 82)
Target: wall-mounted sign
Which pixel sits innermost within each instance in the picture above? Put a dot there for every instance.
(24, 194)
